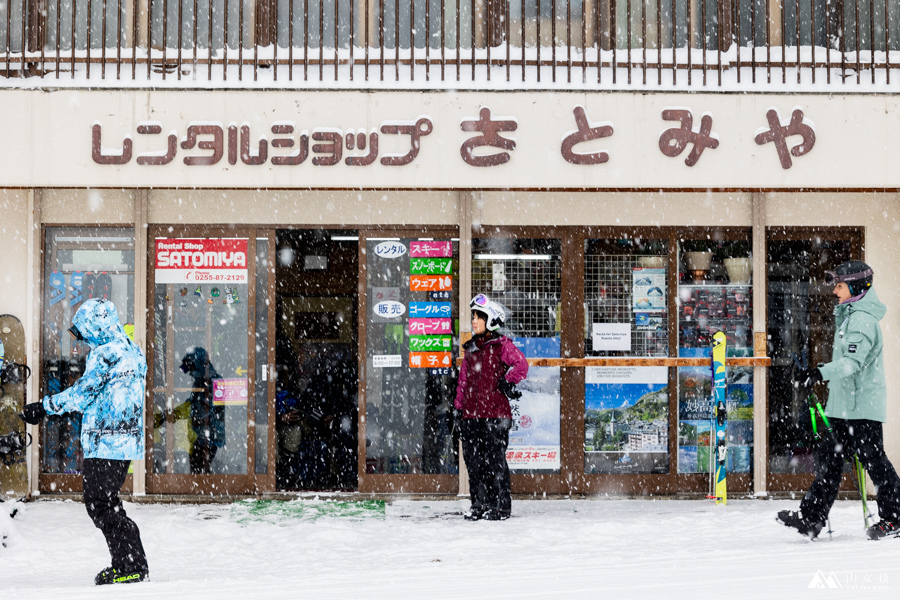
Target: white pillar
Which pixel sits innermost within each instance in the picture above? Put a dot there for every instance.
(32, 331)
(466, 202)
(139, 475)
(760, 343)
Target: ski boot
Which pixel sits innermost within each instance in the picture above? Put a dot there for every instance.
(111, 575)
(495, 515)
(476, 513)
(796, 521)
(882, 529)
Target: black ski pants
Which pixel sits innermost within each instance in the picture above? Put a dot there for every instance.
(484, 444)
(865, 439)
(102, 480)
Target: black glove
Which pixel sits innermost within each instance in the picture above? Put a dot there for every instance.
(34, 413)
(509, 389)
(807, 378)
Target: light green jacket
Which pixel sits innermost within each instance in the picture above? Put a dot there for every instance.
(855, 375)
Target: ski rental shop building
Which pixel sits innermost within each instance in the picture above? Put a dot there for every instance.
(292, 202)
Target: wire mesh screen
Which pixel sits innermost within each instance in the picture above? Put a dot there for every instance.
(609, 284)
(525, 279)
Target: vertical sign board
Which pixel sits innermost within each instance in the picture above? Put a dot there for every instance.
(430, 323)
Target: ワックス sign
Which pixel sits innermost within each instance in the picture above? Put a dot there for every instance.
(215, 260)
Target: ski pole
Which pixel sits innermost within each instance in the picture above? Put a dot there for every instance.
(861, 486)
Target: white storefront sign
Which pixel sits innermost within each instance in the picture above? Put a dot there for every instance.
(372, 140)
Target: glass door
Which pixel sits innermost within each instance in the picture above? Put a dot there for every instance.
(202, 344)
(80, 263)
(801, 326)
(409, 342)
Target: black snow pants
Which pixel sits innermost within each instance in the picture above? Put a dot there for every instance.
(484, 444)
(102, 480)
(865, 439)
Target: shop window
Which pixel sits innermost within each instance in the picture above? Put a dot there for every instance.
(200, 322)
(523, 275)
(412, 340)
(714, 294)
(79, 263)
(626, 409)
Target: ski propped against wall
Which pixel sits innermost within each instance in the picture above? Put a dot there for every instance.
(718, 473)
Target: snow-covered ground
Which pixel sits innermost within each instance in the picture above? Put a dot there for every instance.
(424, 549)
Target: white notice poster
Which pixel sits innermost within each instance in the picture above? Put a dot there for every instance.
(611, 337)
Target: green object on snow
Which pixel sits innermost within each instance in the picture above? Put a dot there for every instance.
(279, 512)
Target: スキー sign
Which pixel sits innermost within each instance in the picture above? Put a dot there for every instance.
(217, 260)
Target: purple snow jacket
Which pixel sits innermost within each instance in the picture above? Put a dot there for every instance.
(488, 358)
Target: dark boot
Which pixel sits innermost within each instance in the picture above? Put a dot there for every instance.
(109, 575)
(882, 529)
(473, 514)
(795, 520)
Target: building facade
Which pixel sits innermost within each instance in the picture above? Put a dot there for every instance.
(292, 204)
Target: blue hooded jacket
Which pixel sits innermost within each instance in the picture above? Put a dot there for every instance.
(110, 394)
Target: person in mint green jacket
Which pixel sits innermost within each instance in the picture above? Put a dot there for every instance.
(857, 405)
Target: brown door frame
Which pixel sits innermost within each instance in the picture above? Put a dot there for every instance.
(857, 238)
(170, 483)
(388, 483)
(265, 482)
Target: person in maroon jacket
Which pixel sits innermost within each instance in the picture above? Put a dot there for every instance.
(491, 369)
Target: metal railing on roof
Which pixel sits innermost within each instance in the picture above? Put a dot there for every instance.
(543, 43)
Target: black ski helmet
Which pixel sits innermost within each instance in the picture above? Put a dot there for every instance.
(855, 273)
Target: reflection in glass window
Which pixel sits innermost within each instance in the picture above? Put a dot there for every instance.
(626, 409)
(79, 263)
(200, 357)
(523, 275)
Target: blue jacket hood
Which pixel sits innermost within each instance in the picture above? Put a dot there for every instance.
(98, 322)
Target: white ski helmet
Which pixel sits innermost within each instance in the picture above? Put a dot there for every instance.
(495, 315)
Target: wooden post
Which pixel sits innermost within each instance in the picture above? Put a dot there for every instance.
(726, 26)
(775, 33)
(266, 14)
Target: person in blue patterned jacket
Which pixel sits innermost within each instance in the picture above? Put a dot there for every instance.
(110, 398)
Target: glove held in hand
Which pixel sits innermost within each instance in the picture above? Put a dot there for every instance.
(34, 413)
(508, 389)
(808, 377)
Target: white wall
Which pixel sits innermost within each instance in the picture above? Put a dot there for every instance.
(87, 206)
(14, 234)
(308, 207)
(613, 208)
